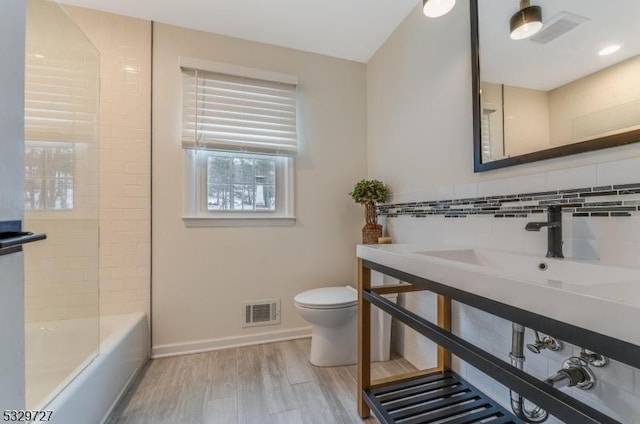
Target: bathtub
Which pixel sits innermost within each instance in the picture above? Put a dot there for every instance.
(102, 377)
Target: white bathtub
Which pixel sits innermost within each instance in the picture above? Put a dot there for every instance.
(56, 351)
(91, 395)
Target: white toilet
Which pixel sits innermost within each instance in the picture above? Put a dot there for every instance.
(332, 311)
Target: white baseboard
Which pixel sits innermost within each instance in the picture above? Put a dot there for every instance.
(175, 349)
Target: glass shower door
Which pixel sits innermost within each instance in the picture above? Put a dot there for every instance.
(61, 199)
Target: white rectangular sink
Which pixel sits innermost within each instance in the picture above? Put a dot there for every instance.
(597, 296)
(552, 271)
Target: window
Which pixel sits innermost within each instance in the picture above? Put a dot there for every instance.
(241, 183)
(240, 138)
(48, 182)
(61, 111)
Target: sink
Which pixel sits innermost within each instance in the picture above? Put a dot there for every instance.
(551, 271)
(580, 293)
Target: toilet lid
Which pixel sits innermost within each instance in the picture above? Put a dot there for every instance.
(328, 297)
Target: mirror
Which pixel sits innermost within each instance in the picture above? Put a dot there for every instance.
(572, 87)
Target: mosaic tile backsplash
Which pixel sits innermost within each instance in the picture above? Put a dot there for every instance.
(602, 201)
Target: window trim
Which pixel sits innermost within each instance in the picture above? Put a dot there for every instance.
(241, 71)
(197, 214)
(202, 221)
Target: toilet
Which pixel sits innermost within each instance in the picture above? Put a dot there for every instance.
(332, 311)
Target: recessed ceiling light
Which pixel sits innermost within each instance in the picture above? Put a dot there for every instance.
(609, 49)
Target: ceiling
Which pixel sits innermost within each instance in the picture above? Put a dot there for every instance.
(348, 29)
(528, 64)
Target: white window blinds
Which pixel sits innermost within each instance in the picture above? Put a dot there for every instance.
(61, 98)
(236, 113)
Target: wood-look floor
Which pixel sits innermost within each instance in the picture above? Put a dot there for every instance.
(264, 384)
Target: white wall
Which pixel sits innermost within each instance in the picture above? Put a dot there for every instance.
(419, 104)
(603, 102)
(526, 120)
(420, 143)
(201, 275)
(419, 110)
(12, 28)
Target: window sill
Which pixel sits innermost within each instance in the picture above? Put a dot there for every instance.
(257, 221)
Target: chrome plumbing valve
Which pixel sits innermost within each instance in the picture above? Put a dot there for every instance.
(547, 342)
(592, 358)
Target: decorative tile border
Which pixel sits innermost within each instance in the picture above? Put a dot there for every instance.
(603, 201)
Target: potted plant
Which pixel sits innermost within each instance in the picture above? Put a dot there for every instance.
(368, 193)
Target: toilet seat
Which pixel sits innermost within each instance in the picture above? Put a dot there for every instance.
(327, 298)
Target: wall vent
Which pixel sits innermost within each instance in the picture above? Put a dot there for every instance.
(261, 312)
(557, 26)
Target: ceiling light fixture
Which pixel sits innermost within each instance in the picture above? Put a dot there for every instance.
(609, 49)
(526, 21)
(437, 8)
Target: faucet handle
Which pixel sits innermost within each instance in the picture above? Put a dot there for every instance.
(552, 343)
(547, 342)
(592, 358)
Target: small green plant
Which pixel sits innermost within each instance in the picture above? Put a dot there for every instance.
(370, 192)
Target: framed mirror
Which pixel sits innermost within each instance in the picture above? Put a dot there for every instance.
(571, 87)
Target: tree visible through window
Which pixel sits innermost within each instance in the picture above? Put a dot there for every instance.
(241, 183)
(48, 176)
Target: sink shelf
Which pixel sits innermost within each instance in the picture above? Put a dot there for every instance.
(443, 398)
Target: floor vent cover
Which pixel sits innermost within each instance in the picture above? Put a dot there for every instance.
(261, 312)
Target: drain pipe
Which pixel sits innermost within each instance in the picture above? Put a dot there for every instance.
(537, 414)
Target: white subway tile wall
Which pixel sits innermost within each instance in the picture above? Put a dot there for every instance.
(525, 183)
(125, 157)
(61, 274)
(617, 171)
(612, 239)
(564, 179)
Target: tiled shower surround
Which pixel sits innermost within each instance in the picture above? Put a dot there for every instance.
(602, 201)
(124, 260)
(125, 157)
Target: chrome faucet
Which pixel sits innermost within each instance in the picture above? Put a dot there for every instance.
(554, 235)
